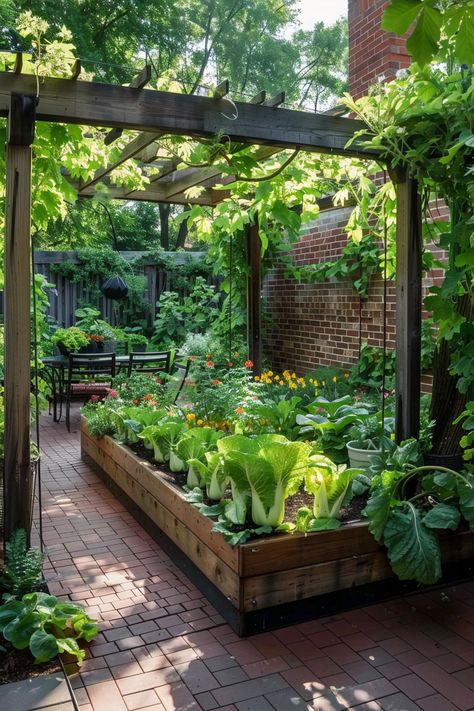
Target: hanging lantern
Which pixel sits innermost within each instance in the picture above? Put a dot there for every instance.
(114, 288)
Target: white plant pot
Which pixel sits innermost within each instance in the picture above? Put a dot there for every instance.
(360, 458)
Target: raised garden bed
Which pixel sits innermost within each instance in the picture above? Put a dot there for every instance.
(266, 581)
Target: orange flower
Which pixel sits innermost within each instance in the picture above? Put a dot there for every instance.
(248, 364)
(239, 410)
(216, 381)
(210, 364)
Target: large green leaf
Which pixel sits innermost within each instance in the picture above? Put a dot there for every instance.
(400, 14)
(443, 516)
(9, 611)
(423, 42)
(413, 548)
(380, 502)
(43, 646)
(19, 631)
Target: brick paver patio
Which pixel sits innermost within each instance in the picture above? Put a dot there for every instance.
(163, 647)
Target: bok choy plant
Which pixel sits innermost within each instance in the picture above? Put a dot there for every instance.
(193, 445)
(273, 471)
(332, 487)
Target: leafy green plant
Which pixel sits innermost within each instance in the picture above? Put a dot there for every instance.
(22, 571)
(272, 472)
(370, 434)
(46, 625)
(330, 421)
(193, 445)
(211, 473)
(407, 525)
(72, 339)
(368, 371)
(278, 415)
(331, 486)
(467, 419)
(177, 317)
(164, 438)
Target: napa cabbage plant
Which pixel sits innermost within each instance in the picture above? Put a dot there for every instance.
(211, 472)
(331, 486)
(137, 418)
(273, 471)
(193, 445)
(164, 437)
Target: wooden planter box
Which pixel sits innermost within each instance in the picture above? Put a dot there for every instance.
(270, 579)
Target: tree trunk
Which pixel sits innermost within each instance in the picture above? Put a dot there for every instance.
(182, 234)
(164, 225)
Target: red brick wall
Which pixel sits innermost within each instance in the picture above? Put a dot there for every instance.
(373, 53)
(318, 324)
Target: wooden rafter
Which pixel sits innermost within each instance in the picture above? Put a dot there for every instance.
(106, 105)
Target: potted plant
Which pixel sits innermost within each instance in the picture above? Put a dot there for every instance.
(368, 437)
(70, 340)
(103, 334)
(137, 342)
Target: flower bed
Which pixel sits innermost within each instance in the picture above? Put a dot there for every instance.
(256, 578)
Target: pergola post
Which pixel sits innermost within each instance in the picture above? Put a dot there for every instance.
(18, 479)
(254, 288)
(408, 305)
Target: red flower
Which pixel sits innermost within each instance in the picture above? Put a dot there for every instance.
(210, 364)
(95, 398)
(248, 364)
(112, 393)
(230, 364)
(216, 381)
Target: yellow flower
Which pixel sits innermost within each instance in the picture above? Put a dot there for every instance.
(323, 383)
(311, 380)
(293, 375)
(257, 378)
(346, 375)
(270, 373)
(316, 384)
(190, 416)
(301, 381)
(200, 423)
(334, 380)
(293, 386)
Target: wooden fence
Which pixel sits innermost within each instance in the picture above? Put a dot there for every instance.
(66, 296)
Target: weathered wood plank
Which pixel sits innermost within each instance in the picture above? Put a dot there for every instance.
(18, 480)
(96, 104)
(408, 310)
(298, 550)
(272, 589)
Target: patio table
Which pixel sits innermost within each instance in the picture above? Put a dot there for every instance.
(56, 367)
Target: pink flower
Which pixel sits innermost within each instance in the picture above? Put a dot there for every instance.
(230, 364)
(94, 398)
(112, 393)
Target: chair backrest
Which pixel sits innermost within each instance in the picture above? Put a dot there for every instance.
(150, 362)
(181, 368)
(83, 364)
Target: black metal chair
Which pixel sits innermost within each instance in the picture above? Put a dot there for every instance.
(151, 362)
(181, 368)
(90, 366)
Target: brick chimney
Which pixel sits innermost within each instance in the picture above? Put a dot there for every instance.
(372, 52)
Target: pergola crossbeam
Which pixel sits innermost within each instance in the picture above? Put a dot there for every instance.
(121, 107)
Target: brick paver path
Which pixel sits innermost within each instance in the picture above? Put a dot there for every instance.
(163, 647)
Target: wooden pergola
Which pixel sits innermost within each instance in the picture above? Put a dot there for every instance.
(262, 123)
